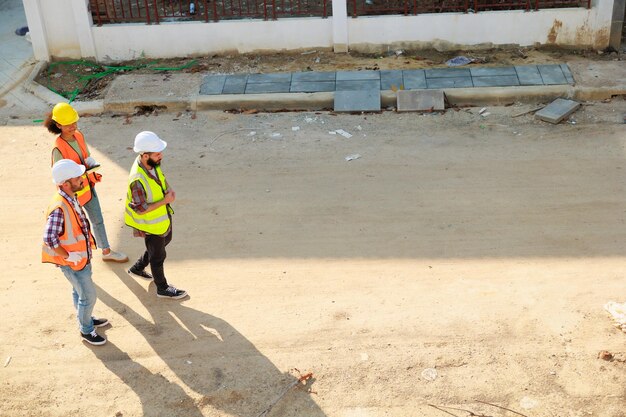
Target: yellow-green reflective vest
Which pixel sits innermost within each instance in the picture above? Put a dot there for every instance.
(155, 222)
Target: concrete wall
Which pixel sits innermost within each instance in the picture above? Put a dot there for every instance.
(63, 28)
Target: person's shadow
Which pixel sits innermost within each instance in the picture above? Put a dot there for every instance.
(211, 358)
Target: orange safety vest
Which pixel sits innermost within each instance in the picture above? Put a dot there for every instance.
(89, 179)
(72, 239)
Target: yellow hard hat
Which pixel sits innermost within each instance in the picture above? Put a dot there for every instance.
(64, 114)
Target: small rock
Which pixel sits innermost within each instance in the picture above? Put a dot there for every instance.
(605, 355)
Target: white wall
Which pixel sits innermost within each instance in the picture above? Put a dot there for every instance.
(63, 37)
(166, 40)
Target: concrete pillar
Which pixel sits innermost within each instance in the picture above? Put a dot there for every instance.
(340, 26)
(617, 23)
(37, 29)
(83, 24)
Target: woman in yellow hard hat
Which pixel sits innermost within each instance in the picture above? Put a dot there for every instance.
(70, 144)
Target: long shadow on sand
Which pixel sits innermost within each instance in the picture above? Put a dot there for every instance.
(211, 358)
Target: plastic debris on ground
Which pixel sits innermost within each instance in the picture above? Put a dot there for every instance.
(429, 374)
(352, 157)
(341, 132)
(295, 128)
(618, 312)
(457, 61)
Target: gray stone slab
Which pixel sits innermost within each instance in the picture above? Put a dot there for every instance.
(278, 77)
(455, 82)
(447, 73)
(558, 110)
(313, 76)
(528, 75)
(259, 88)
(235, 84)
(552, 74)
(357, 75)
(312, 86)
(492, 71)
(496, 81)
(355, 101)
(569, 77)
(354, 85)
(414, 79)
(212, 84)
(391, 78)
(424, 100)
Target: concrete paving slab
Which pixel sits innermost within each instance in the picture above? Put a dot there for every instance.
(552, 74)
(558, 110)
(235, 84)
(357, 75)
(420, 100)
(313, 76)
(173, 91)
(354, 85)
(528, 75)
(356, 101)
(492, 71)
(496, 81)
(312, 86)
(257, 88)
(212, 84)
(447, 73)
(278, 77)
(452, 82)
(414, 79)
(569, 77)
(391, 78)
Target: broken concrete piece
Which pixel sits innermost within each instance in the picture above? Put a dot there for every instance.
(558, 110)
(421, 100)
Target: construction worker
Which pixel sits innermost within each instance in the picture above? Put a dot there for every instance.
(68, 243)
(70, 144)
(149, 213)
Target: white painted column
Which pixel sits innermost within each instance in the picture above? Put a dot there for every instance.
(340, 26)
(83, 23)
(37, 29)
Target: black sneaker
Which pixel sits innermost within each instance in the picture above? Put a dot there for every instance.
(93, 338)
(99, 322)
(172, 292)
(139, 274)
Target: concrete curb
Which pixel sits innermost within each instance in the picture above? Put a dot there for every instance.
(476, 96)
(24, 72)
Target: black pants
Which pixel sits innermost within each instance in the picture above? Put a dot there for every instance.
(155, 256)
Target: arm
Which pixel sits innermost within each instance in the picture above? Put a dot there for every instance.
(139, 203)
(54, 228)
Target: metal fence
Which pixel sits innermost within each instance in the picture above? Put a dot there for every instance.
(157, 11)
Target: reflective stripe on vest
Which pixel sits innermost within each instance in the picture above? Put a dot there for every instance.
(84, 195)
(72, 239)
(155, 222)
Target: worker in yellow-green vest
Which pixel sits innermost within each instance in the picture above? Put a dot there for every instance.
(149, 213)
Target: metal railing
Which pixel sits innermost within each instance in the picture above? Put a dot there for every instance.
(157, 11)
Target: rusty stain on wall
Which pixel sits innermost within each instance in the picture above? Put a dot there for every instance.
(554, 31)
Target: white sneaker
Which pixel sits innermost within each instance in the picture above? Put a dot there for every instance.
(114, 257)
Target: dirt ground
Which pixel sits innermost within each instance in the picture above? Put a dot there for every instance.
(89, 81)
(458, 265)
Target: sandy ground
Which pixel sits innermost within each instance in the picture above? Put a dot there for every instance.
(481, 247)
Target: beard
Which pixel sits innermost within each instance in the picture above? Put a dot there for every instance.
(153, 164)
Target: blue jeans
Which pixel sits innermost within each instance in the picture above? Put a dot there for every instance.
(97, 222)
(83, 295)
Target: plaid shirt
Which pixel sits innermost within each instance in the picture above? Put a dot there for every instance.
(56, 224)
(139, 203)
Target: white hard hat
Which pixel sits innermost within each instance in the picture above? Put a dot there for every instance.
(65, 169)
(148, 142)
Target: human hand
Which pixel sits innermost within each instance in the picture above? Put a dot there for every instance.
(73, 257)
(170, 196)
